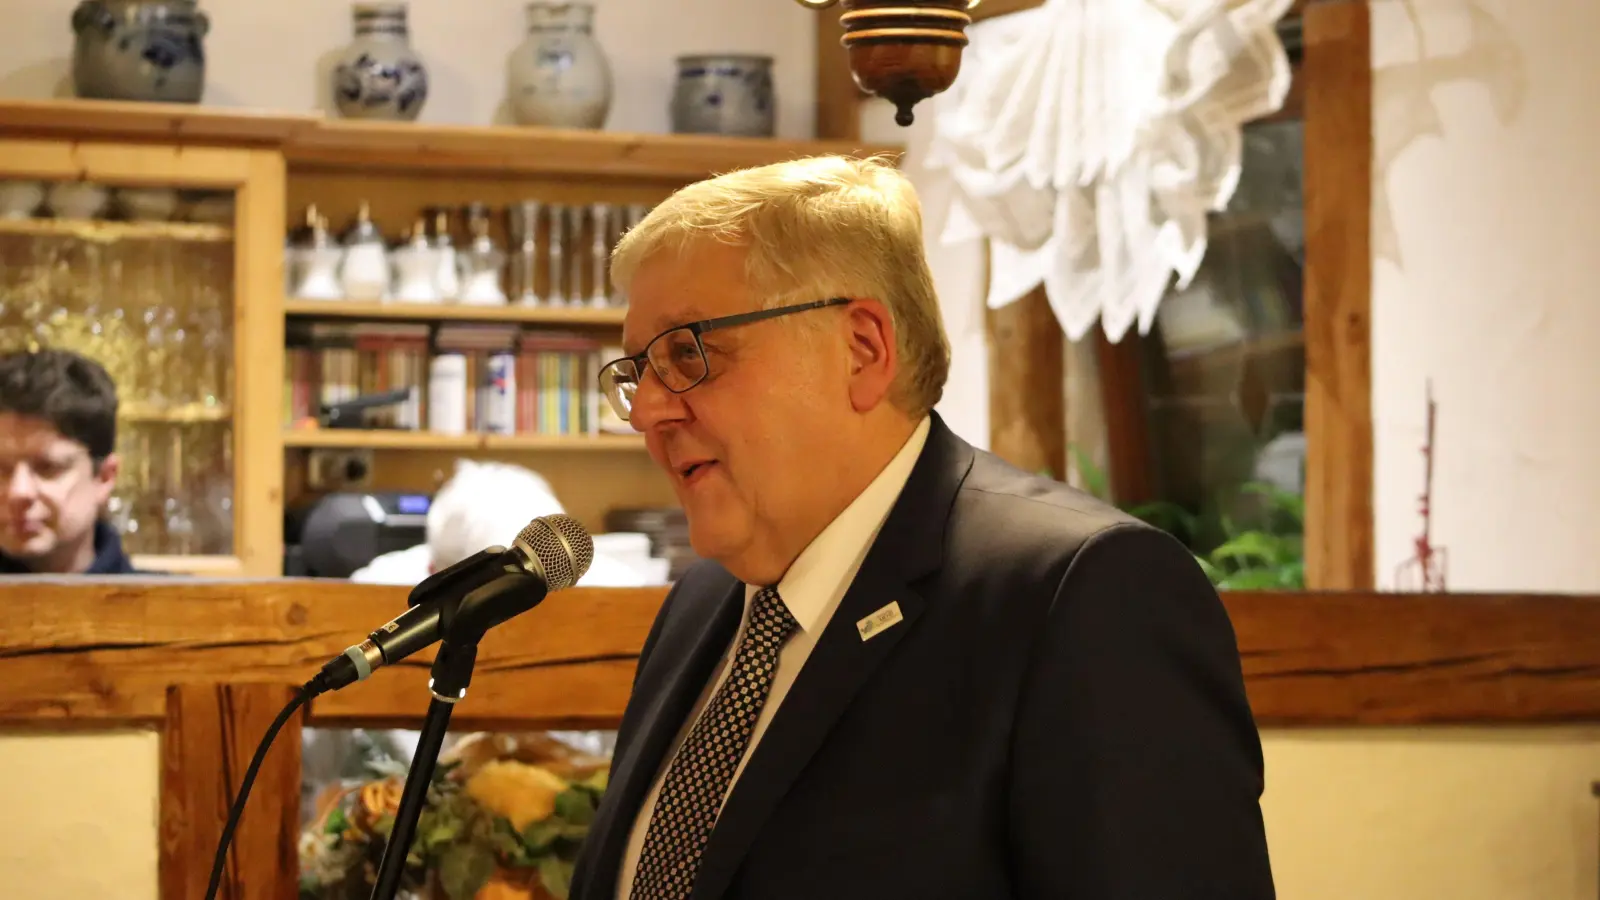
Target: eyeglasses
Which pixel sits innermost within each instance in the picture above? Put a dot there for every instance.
(678, 357)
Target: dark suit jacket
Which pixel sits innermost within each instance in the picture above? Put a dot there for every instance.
(1061, 714)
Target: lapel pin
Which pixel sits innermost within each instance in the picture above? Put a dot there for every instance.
(880, 621)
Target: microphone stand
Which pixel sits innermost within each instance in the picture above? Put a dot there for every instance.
(463, 624)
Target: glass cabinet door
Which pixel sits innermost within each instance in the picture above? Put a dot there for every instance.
(133, 260)
(151, 300)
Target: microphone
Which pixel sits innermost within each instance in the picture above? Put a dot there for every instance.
(549, 554)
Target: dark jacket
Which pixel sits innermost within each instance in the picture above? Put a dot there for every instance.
(1060, 714)
(109, 558)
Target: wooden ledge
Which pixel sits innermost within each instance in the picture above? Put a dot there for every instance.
(105, 651)
(1367, 658)
(314, 141)
(164, 122)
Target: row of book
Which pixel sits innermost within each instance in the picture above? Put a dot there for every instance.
(468, 378)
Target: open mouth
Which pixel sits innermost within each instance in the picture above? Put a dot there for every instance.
(695, 471)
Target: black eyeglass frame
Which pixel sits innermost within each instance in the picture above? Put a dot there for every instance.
(641, 360)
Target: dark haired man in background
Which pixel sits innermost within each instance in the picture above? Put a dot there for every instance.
(58, 431)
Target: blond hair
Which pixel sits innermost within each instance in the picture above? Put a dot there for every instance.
(815, 228)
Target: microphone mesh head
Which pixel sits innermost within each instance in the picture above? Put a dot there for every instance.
(562, 547)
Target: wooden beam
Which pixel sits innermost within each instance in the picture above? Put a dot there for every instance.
(107, 650)
(1338, 296)
(1130, 465)
(1361, 658)
(838, 95)
(210, 734)
(1027, 403)
(93, 650)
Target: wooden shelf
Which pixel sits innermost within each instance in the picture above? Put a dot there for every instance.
(165, 122)
(313, 141)
(202, 566)
(426, 312)
(187, 414)
(106, 232)
(345, 144)
(377, 439)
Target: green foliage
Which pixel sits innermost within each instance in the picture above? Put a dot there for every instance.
(459, 841)
(1270, 556)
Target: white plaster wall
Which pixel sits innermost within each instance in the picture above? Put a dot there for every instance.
(78, 816)
(1432, 813)
(1486, 213)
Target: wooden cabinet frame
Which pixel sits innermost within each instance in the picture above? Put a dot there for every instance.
(274, 162)
(255, 178)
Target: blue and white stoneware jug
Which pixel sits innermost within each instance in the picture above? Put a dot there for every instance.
(150, 50)
(379, 75)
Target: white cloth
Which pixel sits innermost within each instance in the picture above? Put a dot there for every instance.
(812, 589)
(1088, 140)
(408, 567)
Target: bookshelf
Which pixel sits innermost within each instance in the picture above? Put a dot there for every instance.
(550, 316)
(277, 164)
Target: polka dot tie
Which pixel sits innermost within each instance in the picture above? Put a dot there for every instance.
(698, 778)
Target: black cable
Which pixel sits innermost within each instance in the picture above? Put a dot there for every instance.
(302, 694)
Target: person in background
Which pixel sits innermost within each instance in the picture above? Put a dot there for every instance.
(58, 468)
(482, 505)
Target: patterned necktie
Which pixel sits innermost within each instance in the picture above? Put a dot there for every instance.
(692, 794)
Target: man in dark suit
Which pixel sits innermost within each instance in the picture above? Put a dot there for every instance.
(906, 669)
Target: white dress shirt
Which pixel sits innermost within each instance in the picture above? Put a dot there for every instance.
(812, 589)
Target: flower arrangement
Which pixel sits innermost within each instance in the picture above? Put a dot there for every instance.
(504, 818)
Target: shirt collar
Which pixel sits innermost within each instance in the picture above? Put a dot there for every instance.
(812, 585)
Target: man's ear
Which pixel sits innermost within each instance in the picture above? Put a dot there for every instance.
(874, 359)
(105, 478)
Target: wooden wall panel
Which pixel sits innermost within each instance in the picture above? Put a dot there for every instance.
(1027, 404)
(210, 734)
(838, 96)
(1338, 296)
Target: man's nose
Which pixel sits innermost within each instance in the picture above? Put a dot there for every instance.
(653, 404)
(21, 484)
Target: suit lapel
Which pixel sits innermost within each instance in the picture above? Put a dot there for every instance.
(910, 545)
(659, 723)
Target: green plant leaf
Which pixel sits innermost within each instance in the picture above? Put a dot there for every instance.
(1212, 572)
(575, 806)
(441, 832)
(539, 836)
(464, 869)
(1094, 477)
(337, 822)
(556, 875)
(1248, 547)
